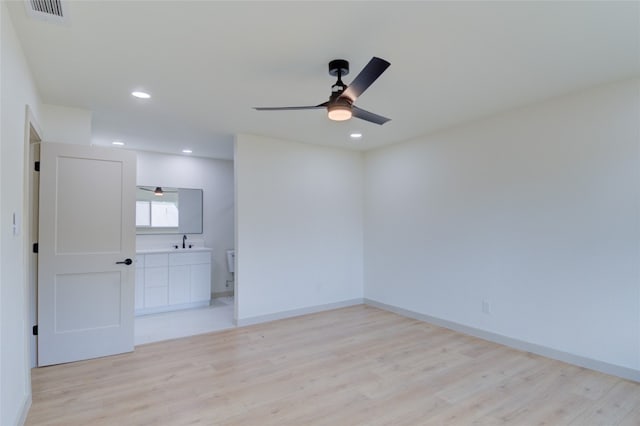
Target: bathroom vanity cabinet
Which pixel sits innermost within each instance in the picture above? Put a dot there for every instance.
(171, 280)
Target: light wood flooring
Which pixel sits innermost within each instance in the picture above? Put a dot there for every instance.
(353, 366)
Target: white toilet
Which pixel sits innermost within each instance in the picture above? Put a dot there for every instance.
(231, 261)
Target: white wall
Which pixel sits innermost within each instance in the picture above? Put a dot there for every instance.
(536, 211)
(18, 91)
(215, 178)
(65, 125)
(299, 226)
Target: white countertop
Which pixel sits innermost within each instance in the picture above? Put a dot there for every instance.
(172, 250)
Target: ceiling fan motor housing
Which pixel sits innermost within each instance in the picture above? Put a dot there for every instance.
(338, 66)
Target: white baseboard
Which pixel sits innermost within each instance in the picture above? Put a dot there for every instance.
(592, 364)
(297, 312)
(171, 308)
(228, 293)
(25, 411)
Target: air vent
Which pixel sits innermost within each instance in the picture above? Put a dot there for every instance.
(51, 7)
(47, 10)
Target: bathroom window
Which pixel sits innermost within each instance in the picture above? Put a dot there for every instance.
(168, 210)
(143, 213)
(157, 214)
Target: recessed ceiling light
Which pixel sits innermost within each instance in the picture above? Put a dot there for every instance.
(187, 151)
(117, 143)
(355, 135)
(141, 95)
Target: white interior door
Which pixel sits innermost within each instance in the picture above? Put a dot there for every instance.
(87, 226)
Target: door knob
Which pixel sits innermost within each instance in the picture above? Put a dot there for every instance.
(125, 262)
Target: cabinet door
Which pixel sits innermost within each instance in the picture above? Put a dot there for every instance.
(178, 284)
(155, 297)
(200, 282)
(156, 277)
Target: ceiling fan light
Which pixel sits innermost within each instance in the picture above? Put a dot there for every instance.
(339, 112)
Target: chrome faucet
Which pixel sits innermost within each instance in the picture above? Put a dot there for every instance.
(184, 238)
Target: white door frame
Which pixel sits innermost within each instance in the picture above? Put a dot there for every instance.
(32, 134)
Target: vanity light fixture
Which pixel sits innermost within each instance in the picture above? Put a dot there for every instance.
(187, 151)
(118, 143)
(141, 95)
(158, 191)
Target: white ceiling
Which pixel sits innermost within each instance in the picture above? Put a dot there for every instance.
(207, 63)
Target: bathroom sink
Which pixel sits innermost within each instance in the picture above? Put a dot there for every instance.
(190, 247)
(186, 244)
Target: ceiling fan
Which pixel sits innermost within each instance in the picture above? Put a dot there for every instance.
(340, 105)
(157, 191)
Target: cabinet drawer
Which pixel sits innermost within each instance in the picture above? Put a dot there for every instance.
(189, 258)
(156, 260)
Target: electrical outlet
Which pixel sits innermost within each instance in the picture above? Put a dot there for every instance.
(486, 307)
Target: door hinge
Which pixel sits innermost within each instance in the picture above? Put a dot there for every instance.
(37, 166)
(35, 247)
(35, 330)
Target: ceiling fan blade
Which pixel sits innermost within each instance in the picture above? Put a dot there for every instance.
(367, 76)
(368, 116)
(291, 108)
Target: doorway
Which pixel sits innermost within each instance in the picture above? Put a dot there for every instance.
(215, 180)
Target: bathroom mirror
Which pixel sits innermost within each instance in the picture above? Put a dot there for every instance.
(168, 210)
